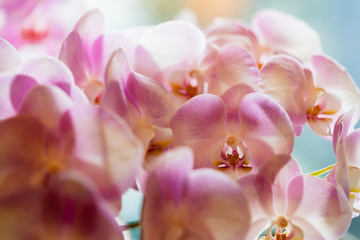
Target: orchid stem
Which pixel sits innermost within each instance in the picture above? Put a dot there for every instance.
(132, 225)
(322, 171)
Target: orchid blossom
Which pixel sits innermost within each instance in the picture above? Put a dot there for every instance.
(278, 32)
(318, 95)
(69, 208)
(86, 51)
(54, 135)
(190, 67)
(235, 133)
(181, 204)
(346, 172)
(143, 103)
(40, 70)
(299, 206)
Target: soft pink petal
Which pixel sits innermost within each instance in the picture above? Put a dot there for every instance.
(173, 42)
(260, 195)
(233, 32)
(26, 145)
(232, 65)
(164, 188)
(232, 98)
(12, 91)
(70, 209)
(279, 172)
(46, 69)
(90, 26)
(155, 104)
(46, 103)
(333, 77)
(72, 53)
(103, 147)
(285, 33)
(103, 48)
(283, 79)
(218, 210)
(319, 209)
(200, 124)
(264, 125)
(352, 148)
(118, 67)
(10, 58)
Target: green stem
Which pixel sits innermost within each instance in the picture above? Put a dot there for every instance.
(322, 171)
(132, 225)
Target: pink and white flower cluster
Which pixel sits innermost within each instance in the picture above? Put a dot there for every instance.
(202, 122)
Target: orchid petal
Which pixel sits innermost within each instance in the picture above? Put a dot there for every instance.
(285, 33)
(112, 158)
(283, 79)
(232, 65)
(90, 26)
(352, 148)
(73, 55)
(46, 69)
(70, 209)
(279, 172)
(46, 103)
(264, 124)
(259, 192)
(200, 124)
(163, 193)
(25, 146)
(214, 208)
(155, 104)
(173, 42)
(232, 98)
(331, 76)
(319, 209)
(10, 58)
(118, 67)
(12, 91)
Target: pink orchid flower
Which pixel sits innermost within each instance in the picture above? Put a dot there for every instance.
(346, 172)
(38, 26)
(86, 51)
(278, 32)
(299, 206)
(223, 32)
(143, 103)
(54, 135)
(185, 204)
(317, 96)
(190, 67)
(40, 70)
(69, 208)
(235, 133)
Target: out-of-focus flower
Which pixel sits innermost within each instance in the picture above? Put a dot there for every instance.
(142, 102)
(299, 206)
(38, 26)
(41, 70)
(69, 208)
(55, 135)
(236, 134)
(185, 204)
(346, 172)
(279, 32)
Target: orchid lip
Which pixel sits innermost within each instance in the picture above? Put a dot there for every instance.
(234, 155)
